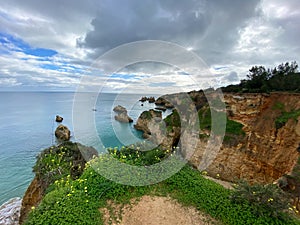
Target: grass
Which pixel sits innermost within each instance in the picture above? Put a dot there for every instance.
(285, 116)
(233, 129)
(78, 201)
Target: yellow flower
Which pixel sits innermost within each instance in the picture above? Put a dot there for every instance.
(270, 199)
(86, 200)
(32, 208)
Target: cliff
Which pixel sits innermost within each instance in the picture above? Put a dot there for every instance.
(54, 163)
(266, 153)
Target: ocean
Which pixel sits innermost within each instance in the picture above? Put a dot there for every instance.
(27, 125)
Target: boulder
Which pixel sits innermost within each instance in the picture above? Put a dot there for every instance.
(58, 119)
(62, 133)
(10, 212)
(151, 99)
(143, 99)
(123, 117)
(120, 109)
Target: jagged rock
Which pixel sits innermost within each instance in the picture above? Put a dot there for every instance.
(58, 119)
(120, 109)
(123, 117)
(10, 212)
(168, 105)
(143, 99)
(151, 99)
(160, 101)
(62, 133)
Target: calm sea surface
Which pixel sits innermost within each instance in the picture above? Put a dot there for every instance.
(27, 126)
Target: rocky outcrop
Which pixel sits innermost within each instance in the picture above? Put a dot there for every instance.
(122, 115)
(32, 197)
(62, 133)
(147, 118)
(58, 119)
(124, 118)
(120, 109)
(161, 108)
(155, 129)
(266, 153)
(10, 212)
(74, 154)
(149, 99)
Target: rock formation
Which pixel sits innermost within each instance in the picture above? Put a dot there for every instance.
(154, 129)
(76, 156)
(149, 99)
(122, 115)
(124, 118)
(120, 109)
(62, 133)
(58, 119)
(10, 212)
(266, 153)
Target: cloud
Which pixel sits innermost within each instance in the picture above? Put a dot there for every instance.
(46, 43)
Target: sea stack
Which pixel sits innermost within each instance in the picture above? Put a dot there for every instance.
(122, 115)
(62, 133)
(58, 119)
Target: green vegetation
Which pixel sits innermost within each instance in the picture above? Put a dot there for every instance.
(173, 120)
(284, 77)
(61, 161)
(233, 129)
(266, 199)
(285, 116)
(78, 201)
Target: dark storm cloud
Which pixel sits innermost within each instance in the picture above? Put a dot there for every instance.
(208, 26)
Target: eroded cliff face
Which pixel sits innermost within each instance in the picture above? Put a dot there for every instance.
(265, 153)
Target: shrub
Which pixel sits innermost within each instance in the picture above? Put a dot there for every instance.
(267, 199)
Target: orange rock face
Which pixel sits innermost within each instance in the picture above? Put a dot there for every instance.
(265, 153)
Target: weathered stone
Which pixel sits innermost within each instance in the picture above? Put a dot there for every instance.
(123, 117)
(62, 133)
(58, 119)
(10, 212)
(120, 109)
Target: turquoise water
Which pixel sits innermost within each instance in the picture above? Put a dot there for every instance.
(27, 126)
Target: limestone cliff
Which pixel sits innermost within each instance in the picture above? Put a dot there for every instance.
(263, 154)
(266, 153)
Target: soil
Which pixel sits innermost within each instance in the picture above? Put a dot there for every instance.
(154, 210)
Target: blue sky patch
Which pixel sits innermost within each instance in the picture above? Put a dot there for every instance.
(21, 46)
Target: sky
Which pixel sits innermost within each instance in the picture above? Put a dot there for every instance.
(55, 45)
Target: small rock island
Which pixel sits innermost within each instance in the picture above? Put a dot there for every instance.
(122, 115)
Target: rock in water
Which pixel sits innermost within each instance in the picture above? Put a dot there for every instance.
(123, 117)
(58, 119)
(10, 212)
(122, 114)
(120, 109)
(62, 133)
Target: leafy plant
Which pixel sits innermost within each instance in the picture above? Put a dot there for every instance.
(267, 199)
